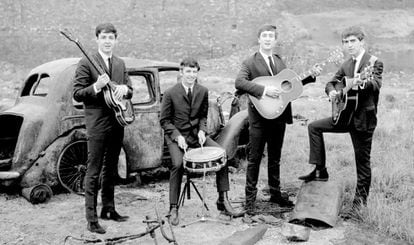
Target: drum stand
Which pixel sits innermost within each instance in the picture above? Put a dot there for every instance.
(187, 189)
(203, 210)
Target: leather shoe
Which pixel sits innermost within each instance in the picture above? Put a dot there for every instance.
(226, 207)
(95, 227)
(317, 175)
(282, 200)
(113, 215)
(174, 216)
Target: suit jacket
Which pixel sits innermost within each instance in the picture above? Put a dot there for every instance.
(98, 116)
(179, 116)
(364, 118)
(255, 66)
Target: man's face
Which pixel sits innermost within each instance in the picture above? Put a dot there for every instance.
(267, 40)
(189, 75)
(353, 45)
(106, 42)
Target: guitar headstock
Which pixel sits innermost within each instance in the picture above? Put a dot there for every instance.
(367, 73)
(336, 56)
(68, 34)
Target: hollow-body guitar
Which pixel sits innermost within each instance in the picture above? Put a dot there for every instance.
(291, 86)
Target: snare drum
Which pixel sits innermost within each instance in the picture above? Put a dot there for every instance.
(206, 159)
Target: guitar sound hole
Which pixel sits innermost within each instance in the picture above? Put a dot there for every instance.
(286, 86)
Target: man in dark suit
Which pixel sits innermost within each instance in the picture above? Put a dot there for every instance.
(184, 120)
(262, 130)
(363, 121)
(105, 135)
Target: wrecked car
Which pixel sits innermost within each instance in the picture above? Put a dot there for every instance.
(43, 141)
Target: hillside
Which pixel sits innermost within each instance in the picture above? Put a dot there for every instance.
(169, 30)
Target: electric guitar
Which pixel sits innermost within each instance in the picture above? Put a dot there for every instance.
(291, 86)
(346, 101)
(123, 108)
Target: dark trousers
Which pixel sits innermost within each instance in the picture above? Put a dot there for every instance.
(103, 153)
(361, 142)
(262, 131)
(177, 170)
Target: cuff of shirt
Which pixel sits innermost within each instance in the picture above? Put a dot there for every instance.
(264, 92)
(96, 89)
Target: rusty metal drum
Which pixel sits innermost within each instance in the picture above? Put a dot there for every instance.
(318, 204)
(205, 159)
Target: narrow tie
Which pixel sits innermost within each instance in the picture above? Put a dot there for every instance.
(272, 66)
(189, 95)
(353, 68)
(110, 67)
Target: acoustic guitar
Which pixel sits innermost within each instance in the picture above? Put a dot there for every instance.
(123, 108)
(291, 86)
(346, 101)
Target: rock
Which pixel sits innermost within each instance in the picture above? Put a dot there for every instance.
(295, 233)
(246, 237)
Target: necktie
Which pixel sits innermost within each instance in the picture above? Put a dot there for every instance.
(272, 66)
(110, 67)
(353, 68)
(189, 95)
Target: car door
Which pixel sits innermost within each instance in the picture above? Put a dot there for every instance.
(143, 140)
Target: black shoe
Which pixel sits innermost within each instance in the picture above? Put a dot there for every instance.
(174, 216)
(113, 215)
(317, 175)
(225, 206)
(250, 208)
(95, 227)
(282, 200)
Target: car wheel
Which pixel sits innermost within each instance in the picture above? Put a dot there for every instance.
(71, 166)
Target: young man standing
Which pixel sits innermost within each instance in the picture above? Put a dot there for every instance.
(184, 121)
(262, 130)
(362, 122)
(105, 135)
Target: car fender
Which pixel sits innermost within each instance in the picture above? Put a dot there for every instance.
(230, 134)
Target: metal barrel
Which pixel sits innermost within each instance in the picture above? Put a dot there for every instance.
(318, 204)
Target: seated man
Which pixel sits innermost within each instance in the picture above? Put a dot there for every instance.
(184, 120)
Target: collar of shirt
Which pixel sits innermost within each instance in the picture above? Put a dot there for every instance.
(186, 88)
(105, 57)
(266, 58)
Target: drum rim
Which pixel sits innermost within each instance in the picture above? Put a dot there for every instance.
(221, 153)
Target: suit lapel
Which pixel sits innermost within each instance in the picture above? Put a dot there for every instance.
(101, 62)
(262, 63)
(181, 91)
(364, 60)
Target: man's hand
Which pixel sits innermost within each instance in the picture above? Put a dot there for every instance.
(332, 95)
(181, 142)
(102, 81)
(316, 70)
(357, 80)
(201, 137)
(272, 92)
(120, 91)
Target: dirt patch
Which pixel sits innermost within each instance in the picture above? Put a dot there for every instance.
(50, 223)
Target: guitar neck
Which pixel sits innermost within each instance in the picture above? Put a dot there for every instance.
(307, 73)
(97, 67)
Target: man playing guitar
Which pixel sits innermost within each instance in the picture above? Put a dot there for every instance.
(262, 130)
(105, 135)
(362, 121)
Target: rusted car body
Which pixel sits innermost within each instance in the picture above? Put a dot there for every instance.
(43, 137)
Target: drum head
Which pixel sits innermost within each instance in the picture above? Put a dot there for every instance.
(204, 154)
